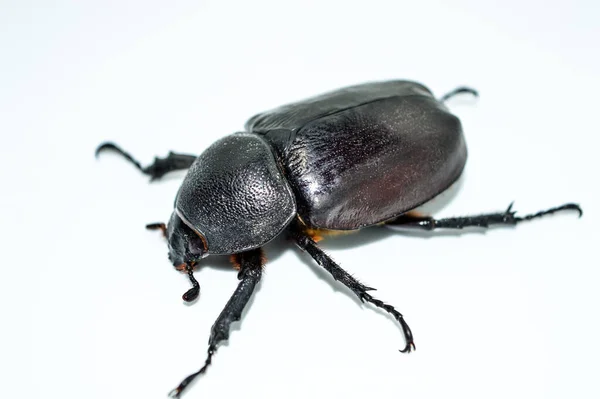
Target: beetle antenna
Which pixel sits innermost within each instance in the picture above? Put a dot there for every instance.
(191, 294)
(459, 90)
(113, 147)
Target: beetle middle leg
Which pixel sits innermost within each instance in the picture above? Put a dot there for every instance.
(159, 167)
(251, 264)
(506, 218)
(306, 243)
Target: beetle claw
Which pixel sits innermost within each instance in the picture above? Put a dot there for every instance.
(410, 346)
(509, 215)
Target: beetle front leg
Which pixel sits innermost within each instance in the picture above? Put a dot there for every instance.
(159, 167)
(158, 226)
(506, 218)
(251, 264)
(309, 245)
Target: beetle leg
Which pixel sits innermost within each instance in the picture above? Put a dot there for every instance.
(251, 263)
(507, 217)
(159, 167)
(458, 90)
(158, 226)
(309, 245)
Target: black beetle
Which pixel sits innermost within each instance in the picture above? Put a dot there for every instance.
(352, 158)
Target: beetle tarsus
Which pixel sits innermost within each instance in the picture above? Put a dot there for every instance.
(176, 393)
(160, 166)
(309, 245)
(565, 207)
(408, 337)
(108, 146)
(251, 263)
(506, 218)
(459, 90)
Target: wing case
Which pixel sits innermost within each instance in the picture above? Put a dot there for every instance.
(365, 154)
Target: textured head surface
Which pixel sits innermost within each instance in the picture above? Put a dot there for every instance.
(235, 196)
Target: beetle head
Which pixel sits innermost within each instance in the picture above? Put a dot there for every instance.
(186, 247)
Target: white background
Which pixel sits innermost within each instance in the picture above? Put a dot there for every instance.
(90, 303)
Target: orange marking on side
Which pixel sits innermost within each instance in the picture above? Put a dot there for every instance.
(235, 261)
(319, 234)
(315, 234)
(263, 258)
(415, 214)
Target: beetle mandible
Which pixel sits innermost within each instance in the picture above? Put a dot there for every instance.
(356, 157)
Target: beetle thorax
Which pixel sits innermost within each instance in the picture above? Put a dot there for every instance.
(235, 196)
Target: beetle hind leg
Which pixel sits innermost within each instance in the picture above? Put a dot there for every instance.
(159, 167)
(459, 90)
(307, 244)
(506, 218)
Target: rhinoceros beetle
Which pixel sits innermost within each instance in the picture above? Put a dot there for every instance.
(352, 158)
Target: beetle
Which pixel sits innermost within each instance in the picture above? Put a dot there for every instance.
(352, 158)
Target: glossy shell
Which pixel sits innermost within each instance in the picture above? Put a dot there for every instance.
(235, 196)
(364, 154)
